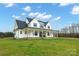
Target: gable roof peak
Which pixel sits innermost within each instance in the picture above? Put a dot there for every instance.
(45, 23)
(29, 19)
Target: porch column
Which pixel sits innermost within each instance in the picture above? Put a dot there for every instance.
(42, 33)
(27, 34)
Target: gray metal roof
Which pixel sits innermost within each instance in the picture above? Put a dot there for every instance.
(29, 19)
(41, 22)
(21, 24)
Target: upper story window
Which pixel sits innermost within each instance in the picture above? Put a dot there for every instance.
(41, 26)
(35, 24)
(48, 27)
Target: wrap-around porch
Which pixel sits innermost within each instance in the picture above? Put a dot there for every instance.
(37, 32)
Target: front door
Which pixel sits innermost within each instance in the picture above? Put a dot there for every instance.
(42, 34)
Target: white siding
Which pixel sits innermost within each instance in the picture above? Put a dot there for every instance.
(23, 35)
(51, 35)
(48, 25)
(34, 21)
(18, 35)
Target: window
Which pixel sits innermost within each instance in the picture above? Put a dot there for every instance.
(36, 33)
(35, 24)
(41, 26)
(48, 27)
(25, 32)
(20, 32)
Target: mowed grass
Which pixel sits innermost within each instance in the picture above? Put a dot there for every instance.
(39, 47)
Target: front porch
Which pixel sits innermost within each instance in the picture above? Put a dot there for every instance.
(37, 32)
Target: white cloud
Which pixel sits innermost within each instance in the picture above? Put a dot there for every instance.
(64, 4)
(7, 5)
(47, 16)
(58, 18)
(27, 9)
(41, 16)
(23, 14)
(33, 14)
(16, 17)
(75, 10)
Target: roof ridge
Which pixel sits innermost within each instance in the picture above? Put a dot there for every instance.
(42, 21)
(29, 19)
(20, 20)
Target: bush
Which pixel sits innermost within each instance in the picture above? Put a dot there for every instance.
(6, 34)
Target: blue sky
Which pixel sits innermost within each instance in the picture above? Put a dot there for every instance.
(58, 14)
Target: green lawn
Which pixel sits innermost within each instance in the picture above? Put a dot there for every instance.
(39, 47)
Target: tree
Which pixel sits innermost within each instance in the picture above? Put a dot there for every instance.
(6, 34)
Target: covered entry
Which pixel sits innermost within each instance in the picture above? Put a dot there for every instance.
(38, 32)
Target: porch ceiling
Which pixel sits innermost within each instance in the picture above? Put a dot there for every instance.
(36, 29)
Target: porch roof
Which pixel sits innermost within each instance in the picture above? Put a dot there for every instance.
(38, 29)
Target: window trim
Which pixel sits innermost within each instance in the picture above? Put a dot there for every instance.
(25, 32)
(20, 32)
(35, 24)
(35, 33)
(41, 26)
(48, 27)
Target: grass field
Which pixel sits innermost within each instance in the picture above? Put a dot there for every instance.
(39, 47)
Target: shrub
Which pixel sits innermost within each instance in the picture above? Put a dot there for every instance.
(6, 34)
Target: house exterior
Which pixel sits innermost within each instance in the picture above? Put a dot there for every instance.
(32, 28)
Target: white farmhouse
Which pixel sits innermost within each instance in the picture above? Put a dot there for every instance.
(32, 28)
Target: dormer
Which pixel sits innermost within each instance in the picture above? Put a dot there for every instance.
(32, 22)
(48, 26)
(28, 20)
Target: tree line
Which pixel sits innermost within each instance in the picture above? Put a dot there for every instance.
(6, 34)
(75, 35)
